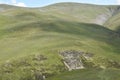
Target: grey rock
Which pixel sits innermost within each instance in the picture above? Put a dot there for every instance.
(72, 59)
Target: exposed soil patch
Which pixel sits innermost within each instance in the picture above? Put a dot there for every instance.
(101, 19)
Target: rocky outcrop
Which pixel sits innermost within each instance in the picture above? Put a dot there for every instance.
(39, 76)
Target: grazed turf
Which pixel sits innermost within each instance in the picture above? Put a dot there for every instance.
(27, 32)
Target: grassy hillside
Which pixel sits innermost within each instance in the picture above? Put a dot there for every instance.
(31, 38)
(78, 12)
(89, 74)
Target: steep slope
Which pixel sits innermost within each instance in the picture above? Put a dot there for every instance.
(80, 12)
(113, 22)
(31, 38)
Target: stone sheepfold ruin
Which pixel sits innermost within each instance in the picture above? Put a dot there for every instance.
(72, 59)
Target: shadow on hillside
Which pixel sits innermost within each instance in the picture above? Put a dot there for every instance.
(118, 30)
(92, 31)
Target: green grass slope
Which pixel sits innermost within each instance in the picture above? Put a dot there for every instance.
(113, 22)
(31, 38)
(89, 74)
(78, 12)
